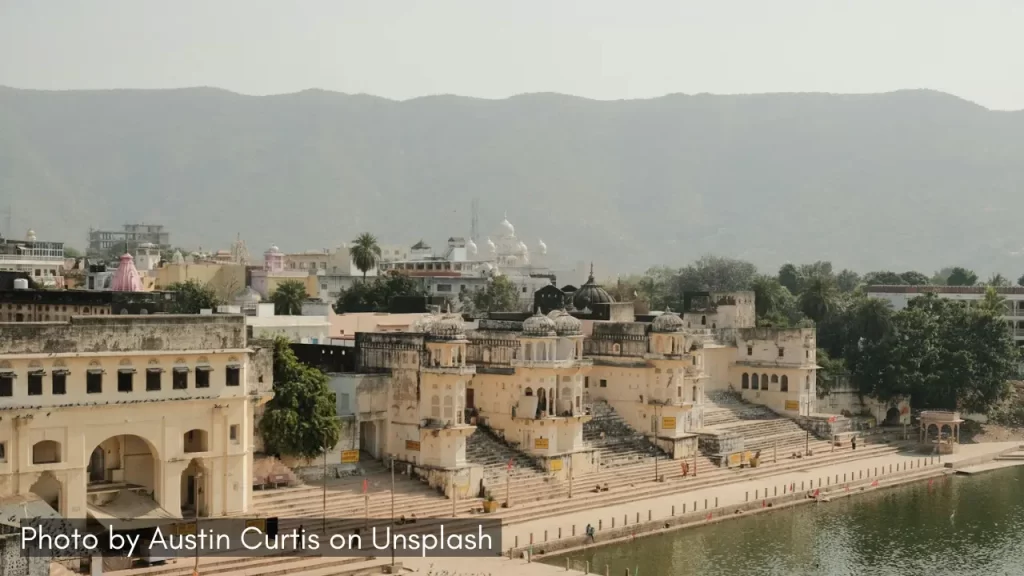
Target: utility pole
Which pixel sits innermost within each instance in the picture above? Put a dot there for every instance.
(455, 494)
(324, 513)
(198, 492)
(807, 444)
(570, 475)
(657, 426)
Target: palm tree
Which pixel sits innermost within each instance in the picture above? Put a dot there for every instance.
(998, 280)
(288, 298)
(365, 252)
(993, 302)
(819, 298)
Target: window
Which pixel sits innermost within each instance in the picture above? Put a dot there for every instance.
(233, 433)
(179, 379)
(35, 384)
(233, 376)
(754, 385)
(745, 381)
(202, 377)
(60, 383)
(153, 376)
(3, 452)
(782, 352)
(7, 384)
(604, 383)
(784, 384)
(586, 381)
(444, 287)
(124, 380)
(94, 382)
(344, 403)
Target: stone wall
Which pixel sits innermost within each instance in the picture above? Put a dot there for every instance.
(617, 339)
(125, 333)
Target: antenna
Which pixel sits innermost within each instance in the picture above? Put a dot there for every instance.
(474, 226)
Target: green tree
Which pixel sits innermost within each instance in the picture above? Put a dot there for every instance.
(998, 280)
(192, 296)
(715, 274)
(993, 302)
(847, 281)
(70, 252)
(288, 298)
(301, 420)
(962, 277)
(500, 295)
(940, 277)
(884, 278)
(913, 278)
(1020, 281)
(831, 369)
(365, 252)
(821, 268)
(789, 277)
(819, 298)
(376, 296)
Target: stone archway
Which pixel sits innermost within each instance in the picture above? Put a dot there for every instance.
(194, 492)
(49, 489)
(892, 416)
(125, 459)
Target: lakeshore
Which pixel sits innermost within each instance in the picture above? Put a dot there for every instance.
(666, 514)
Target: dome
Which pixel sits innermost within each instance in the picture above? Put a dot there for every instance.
(567, 325)
(542, 247)
(507, 228)
(590, 294)
(177, 258)
(471, 246)
(423, 323)
(668, 322)
(538, 326)
(448, 327)
(274, 250)
(126, 278)
(554, 314)
(521, 248)
(31, 236)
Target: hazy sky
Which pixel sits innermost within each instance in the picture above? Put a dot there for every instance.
(605, 49)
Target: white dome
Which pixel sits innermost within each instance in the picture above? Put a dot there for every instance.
(507, 228)
(31, 236)
(177, 258)
(448, 327)
(471, 246)
(667, 322)
(274, 250)
(522, 248)
(423, 323)
(542, 247)
(567, 325)
(538, 326)
(491, 246)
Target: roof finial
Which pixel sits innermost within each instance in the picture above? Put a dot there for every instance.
(591, 279)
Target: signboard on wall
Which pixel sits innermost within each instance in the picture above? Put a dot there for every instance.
(352, 456)
(412, 445)
(556, 465)
(540, 443)
(792, 404)
(668, 423)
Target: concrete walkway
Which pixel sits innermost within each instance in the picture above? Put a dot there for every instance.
(727, 496)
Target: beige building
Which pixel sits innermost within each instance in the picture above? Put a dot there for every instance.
(226, 279)
(103, 416)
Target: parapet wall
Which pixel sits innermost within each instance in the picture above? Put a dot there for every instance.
(125, 333)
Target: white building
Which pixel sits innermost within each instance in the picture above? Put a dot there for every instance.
(44, 261)
(263, 324)
(899, 296)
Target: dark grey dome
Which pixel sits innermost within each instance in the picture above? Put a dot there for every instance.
(590, 294)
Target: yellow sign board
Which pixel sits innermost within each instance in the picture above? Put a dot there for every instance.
(189, 528)
(412, 445)
(668, 423)
(540, 443)
(556, 465)
(735, 459)
(258, 523)
(349, 456)
(792, 405)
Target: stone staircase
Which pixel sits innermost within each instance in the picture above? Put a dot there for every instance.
(761, 428)
(617, 442)
(487, 450)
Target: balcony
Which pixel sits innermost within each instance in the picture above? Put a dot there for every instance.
(564, 363)
(467, 370)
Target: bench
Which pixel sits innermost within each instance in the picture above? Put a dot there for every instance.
(276, 480)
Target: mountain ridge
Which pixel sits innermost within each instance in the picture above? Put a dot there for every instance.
(907, 179)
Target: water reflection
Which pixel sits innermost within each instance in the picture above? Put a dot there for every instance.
(955, 525)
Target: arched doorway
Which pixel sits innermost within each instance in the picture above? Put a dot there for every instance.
(892, 417)
(542, 401)
(125, 459)
(193, 490)
(49, 490)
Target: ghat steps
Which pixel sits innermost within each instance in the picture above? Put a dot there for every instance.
(617, 442)
(761, 428)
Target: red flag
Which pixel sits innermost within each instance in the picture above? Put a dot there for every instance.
(510, 462)
(366, 485)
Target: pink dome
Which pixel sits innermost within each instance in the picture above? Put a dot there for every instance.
(126, 278)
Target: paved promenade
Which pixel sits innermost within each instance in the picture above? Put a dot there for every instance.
(728, 496)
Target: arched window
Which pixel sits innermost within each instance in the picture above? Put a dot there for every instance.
(784, 385)
(775, 378)
(529, 391)
(745, 382)
(764, 381)
(754, 382)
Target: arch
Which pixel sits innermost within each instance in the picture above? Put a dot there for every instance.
(775, 378)
(745, 381)
(754, 382)
(932, 432)
(46, 452)
(136, 457)
(542, 400)
(49, 489)
(892, 416)
(784, 384)
(194, 482)
(528, 391)
(764, 381)
(195, 440)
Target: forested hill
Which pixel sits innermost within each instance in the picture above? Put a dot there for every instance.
(904, 180)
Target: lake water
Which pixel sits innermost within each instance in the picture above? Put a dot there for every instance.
(959, 525)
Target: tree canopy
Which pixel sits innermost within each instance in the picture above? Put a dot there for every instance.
(961, 277)
(301, 420)
(192, 297)
(376, 296)
(365, 252)
(500, 295)
(288, 298)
